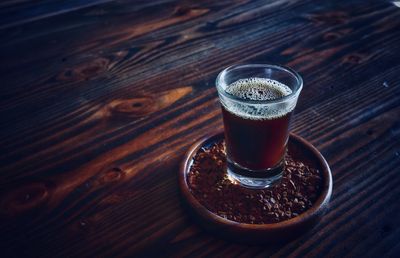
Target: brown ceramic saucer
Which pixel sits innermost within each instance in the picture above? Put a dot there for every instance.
(251, 233)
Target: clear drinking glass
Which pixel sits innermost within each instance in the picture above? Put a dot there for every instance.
(257, 103)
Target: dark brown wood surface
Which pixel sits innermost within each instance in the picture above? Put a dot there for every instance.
(100, 99)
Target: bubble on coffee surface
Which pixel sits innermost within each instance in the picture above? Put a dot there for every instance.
(259, 89)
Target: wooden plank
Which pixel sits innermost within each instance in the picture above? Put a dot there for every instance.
(100, 100)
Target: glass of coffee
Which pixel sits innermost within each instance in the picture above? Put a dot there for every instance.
(257, 104)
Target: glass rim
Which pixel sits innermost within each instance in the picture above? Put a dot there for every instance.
(293, 73)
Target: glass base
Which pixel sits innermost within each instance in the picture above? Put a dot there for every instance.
(256, 179)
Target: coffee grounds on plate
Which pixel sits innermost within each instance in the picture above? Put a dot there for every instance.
(297, 191)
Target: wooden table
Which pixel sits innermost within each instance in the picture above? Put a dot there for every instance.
(100, 99)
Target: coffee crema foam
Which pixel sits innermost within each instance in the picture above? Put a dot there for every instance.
(259, 89)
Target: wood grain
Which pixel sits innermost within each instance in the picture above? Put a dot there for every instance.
(100, 99)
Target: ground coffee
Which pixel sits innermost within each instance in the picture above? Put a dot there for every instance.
(294, 194)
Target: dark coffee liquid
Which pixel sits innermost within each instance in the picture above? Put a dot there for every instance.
(257, 142)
